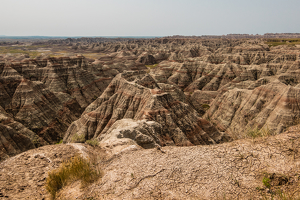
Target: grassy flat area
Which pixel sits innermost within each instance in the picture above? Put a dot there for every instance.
(36, 50)
(32, 51)
(18, 50)
(283, 41)
(93, 55)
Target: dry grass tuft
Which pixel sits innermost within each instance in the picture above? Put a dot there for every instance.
(255, 132)
(152, 66)
(78, 138)
(93, 142)
(77, 168)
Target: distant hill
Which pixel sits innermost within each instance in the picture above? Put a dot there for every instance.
(32, 37)
(241, 36)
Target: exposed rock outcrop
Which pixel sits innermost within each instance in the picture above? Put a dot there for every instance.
(137, 96)
(189, 73)
(127, 132)
(274, 106)
(47, 95)
(169, 173)
(195, 91)
(15, 137)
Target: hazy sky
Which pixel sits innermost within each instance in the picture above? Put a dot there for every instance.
(147, 18)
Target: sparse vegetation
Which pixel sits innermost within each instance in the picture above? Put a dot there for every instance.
(152, 66)
(93, 142)
(256, 132)
(266, 182)
(60, 142)
(18, 50)
(36, 141)
(272, 183)
(78, 138)
(77, 168)
(286, 196)
(281, 41)
(205, 106)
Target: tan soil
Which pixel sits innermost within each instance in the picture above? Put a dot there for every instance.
(234, 170)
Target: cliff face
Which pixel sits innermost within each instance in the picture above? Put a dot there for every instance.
(136, 95)
(44, 96)
(211, 75)
(15, 137)
(138, 100)
(274, 106)
(186, 79)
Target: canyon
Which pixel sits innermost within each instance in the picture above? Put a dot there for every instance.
(171, 118)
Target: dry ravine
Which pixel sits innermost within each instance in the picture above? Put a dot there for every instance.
(164, 118)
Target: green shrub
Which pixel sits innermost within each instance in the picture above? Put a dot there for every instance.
(151, 66)
(93, 142)
(205, 106)
(60, 142)
(78, 138)
(77, 168)
(266, 181)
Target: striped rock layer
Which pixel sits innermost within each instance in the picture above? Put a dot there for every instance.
(136, 95)
(45, 96)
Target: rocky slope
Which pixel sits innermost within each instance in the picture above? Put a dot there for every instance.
(55, 91)
(274, 106)
(136, 95)
(232, 170)
(140, 98)
(15, 137)
(46, 95)
(24, 176)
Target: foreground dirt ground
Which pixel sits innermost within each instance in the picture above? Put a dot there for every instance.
(234, 170)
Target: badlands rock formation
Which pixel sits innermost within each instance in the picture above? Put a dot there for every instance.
(128, 133)
(45, 96)
(210, 78)
(136, 95)
(15, 137)
(274, 106)
(151, 105)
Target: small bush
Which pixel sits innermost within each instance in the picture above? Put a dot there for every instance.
(152, 66)
(92, 143)
(205, 106)
(60, 142)
(256, 132)
(266, 181)
(77, 168)
(36, 141)
(78, 138)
